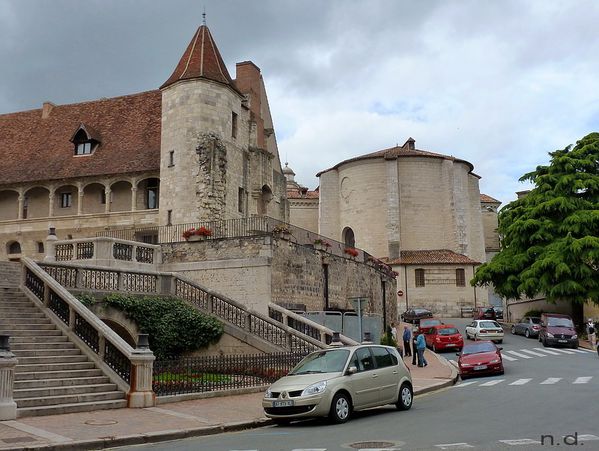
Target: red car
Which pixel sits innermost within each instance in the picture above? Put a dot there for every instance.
(482, 357)
(426, 324)
(443, 337)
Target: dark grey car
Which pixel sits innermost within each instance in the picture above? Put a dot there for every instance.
(529, 326)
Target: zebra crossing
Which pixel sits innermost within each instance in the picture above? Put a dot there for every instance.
(524, 381)
(526, 354)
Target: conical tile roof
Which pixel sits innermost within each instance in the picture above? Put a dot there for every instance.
(201, 60)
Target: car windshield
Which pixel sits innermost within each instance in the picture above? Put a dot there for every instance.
(448, 331)
(559, 322)
(418, 311)
(429, 322)
(490, 325)
(476, 348)
(535, 320)
(332, 361)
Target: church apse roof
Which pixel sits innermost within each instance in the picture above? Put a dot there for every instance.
(407, 150)
(37, 144)
(201, 59)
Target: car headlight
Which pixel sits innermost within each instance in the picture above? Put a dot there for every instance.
(268, 393)
(549, 335)
(314, 389)
(495, 361)
(574, 336)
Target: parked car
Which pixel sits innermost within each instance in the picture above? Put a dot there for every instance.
(484, 330)
(483, 313)
(557, 330)
(337, 381)
(426, 324)
(529, 326)
(443, 337)
(414, 315)
(482, 357)
(498, 312)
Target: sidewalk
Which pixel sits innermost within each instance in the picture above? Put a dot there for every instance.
(124, 427)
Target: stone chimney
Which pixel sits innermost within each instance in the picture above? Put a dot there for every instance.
(47, 109)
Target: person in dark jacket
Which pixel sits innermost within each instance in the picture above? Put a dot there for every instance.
(414, 347)
(407, 336)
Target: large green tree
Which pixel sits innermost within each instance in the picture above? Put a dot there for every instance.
(550, 237)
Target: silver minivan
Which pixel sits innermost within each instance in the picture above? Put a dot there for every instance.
(337, 381)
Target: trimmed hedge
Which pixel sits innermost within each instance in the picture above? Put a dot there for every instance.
(173, 326)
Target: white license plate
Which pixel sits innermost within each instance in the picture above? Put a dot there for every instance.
(287, 403)
(450, 344)
(480, 367)
(562, 341)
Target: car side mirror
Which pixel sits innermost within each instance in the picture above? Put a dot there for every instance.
(500, 348)
(457, 353)
(352, 370)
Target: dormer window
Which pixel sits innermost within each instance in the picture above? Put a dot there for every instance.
(85, 140)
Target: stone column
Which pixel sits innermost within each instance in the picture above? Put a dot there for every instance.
(142, 365)
(8, 362)
(52, 195)
(107, 192)
(133, 197)
(21, 205)
(80, 201)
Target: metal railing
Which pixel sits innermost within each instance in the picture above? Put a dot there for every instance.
(45, 285)
(146, 282)
(213, 373)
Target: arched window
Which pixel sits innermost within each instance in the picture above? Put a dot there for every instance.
(14, 248)
(349, 238)
(265, 198)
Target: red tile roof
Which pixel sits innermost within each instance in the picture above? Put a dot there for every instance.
(407, 150)
(488, 199)
(299, 194)
(201, 59)
(431, 257)
(33, 148)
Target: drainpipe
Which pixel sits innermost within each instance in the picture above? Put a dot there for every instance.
(405, 273)
(474, 287)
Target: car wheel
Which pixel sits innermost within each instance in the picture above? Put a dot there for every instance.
(501, 372)
(574, 346)
(340, 408)
(475, 337)
(406, 397)
(463, 377)
(527, 333)
(544, 342)
(513, 330)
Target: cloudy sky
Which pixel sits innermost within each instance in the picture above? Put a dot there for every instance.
(498, 83)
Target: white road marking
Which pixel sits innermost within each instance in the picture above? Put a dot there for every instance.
(548, 351)
(587, 438)
(491, 383)
(563, 351)
(582, 380)
(522, 441)
(517, 354)
(587, 350)
(580, 351)
(551, 380)
(508, 358)
(465, 384)
(454, 446)
(314, 449)
(538, 354)
(521, 382)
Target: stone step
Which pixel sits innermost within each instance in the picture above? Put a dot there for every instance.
(22, 333)
(69, 399)
(71, 408)
(34, 341)
(39, 324)
(52, 352)
(18, 308)
(36, 375)
(46, 383)
(52, 367)
(51, 359)
(62, 391)
(35, 313)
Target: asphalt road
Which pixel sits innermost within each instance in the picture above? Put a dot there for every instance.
(545, 397)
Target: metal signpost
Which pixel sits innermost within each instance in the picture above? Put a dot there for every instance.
(358, 302)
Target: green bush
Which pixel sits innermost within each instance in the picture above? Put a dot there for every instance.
(173, 326)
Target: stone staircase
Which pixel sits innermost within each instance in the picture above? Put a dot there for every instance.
(52, 375)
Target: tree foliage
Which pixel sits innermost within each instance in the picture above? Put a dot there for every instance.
(550, 237)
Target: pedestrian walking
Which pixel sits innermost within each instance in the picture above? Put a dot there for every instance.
(394, 332)
(414, 347)
(407, 337)
(421, 346)
(591, 333)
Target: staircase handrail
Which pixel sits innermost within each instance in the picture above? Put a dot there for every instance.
(325, 332)
(129, 368)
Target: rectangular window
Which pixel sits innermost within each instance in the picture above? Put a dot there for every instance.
(234, 125)
(169, 217)
(419, 277)
(460, 278)
(240, 200)
(66, 200)
(25, 206)
(84, 148)
(171, 158)
(40, 247)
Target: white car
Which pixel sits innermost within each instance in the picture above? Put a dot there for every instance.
(337, 381)
(484, 329)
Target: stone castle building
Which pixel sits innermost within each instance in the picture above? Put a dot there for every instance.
(202, 147)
